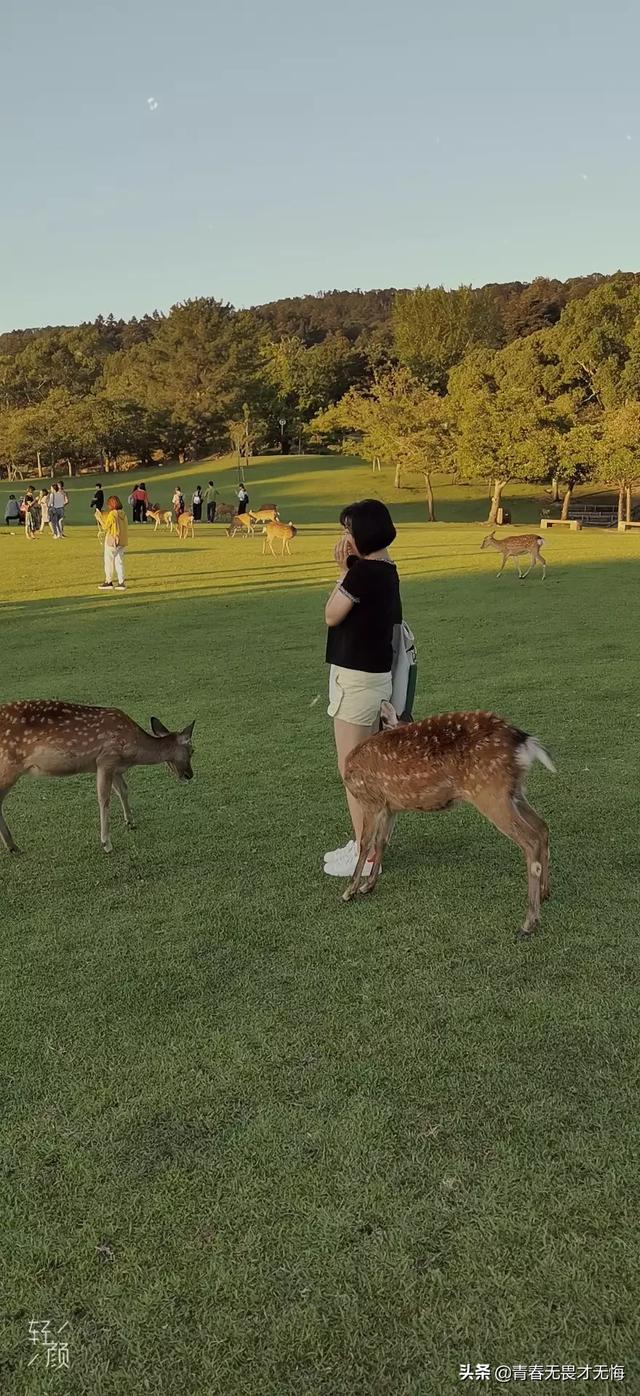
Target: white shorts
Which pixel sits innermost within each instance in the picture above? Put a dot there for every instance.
(355, 696)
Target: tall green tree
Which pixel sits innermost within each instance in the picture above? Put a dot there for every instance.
(508, 413)
(398, 421)
(434, 329)
(619, 454)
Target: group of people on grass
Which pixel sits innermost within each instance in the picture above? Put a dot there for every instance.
(37, 509)
(200, 499)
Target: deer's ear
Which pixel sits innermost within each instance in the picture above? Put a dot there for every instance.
(187, 732)
(158, 728)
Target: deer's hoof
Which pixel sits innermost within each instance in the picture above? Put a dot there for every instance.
(107, 847)
(524, 934)
(14, 849)
(131, 825)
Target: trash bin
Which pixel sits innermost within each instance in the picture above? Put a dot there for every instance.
(503, 516)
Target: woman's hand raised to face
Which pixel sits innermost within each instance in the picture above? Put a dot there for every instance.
(345, 547)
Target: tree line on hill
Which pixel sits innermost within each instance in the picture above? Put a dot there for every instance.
(530, 382)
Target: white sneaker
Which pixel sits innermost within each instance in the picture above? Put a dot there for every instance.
(340, 852)
(345, 864)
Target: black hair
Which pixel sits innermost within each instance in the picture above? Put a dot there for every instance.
(370, 525)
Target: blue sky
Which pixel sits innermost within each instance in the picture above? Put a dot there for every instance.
(301, 146)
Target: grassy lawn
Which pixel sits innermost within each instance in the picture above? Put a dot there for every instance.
(256, 1142)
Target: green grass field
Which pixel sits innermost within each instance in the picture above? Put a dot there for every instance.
(256, 1142)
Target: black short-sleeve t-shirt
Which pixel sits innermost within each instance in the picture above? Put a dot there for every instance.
(364, 639)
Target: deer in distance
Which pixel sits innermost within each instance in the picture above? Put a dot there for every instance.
(184, 525)
(278, 530)
(51, 738)
(163, 518)
(242, 523)
(431, 765)
(516, 546)
(267, 513)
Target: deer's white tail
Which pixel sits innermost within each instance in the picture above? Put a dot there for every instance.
(533, 750)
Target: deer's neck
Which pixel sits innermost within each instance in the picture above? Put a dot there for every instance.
(153, 751)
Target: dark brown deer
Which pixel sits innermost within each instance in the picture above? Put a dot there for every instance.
(68, 739)
(431, 765)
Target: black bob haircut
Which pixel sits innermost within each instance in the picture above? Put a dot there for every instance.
(370, 525)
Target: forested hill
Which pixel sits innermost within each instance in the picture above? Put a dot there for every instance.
(526, 307)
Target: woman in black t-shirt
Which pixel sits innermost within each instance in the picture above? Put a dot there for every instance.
(360, 614)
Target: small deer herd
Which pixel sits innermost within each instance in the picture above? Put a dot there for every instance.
(272, 528)
(430, 765)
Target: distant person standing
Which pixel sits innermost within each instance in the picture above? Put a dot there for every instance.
(139, 501)
(97, 501)
(196, 504)
(210, 501)
(31, 515)
(116, 537)
(177, 502)
(243, 498)
(58, 500)
(12, 511)
(44, 509)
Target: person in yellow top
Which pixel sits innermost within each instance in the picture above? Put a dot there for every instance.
(116, 536)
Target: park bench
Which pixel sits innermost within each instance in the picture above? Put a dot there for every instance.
(595, 515)
(574, 524)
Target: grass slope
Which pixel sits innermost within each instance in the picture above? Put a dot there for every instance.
(257, 1141)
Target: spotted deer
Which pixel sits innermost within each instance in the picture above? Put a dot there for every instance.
(40, 738)
(431, 765)
(225, 511)
(275, 530)
(241, 523)
(516, 546)
(184, 525)
(267, 513)
(163, 518)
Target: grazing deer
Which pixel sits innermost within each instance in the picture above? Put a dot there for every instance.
(278, 530)
(267, 513)
(515, 547)
(431, 765)
(184, 524)
(225, 511)
(68, 739)
(244, 522)
(163, 518)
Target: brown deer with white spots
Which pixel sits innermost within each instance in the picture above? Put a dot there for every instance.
(285, 532)
(184, 525)
(162, 518)
(267, 513)
(431, 765)
(39, 738)
(516, 547)
(243, 524)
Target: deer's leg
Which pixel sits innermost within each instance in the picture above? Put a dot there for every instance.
(543, 560)
(366, 849)
(532, 563)
(5, 832)
(503, 812)
(383, 830)
(541, 831)
(104, 783)
(122, 791)
(502, 566)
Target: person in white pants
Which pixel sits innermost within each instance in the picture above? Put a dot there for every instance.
(116, 537)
